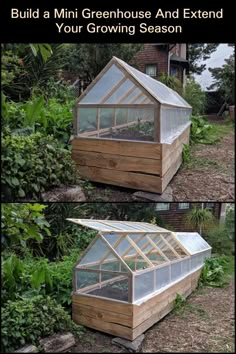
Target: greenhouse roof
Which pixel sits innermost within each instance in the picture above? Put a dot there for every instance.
(125, 240)
(120, 83)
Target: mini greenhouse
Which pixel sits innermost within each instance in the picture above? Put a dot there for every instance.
(128, 277)
(131, 123)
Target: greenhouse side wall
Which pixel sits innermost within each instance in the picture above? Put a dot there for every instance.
(147, 166)
(129, 320)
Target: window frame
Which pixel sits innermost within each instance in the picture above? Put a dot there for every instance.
(167, 209)
(153, 65)
(181, 208)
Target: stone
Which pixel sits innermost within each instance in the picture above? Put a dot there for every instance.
(132, 346)
(28, 349)
(57, 343)
(64, 194)
(166, 196)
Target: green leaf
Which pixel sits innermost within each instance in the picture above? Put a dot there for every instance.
(21, 193)
(38, 277)
(15, 181)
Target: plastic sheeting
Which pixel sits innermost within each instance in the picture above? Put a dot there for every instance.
(192, 241)
(161, 92)
(172, 122)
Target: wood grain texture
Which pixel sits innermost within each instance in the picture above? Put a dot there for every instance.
(116, 162)
(118, 147)
(122, 178)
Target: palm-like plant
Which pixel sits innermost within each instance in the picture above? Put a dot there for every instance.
(200, 218)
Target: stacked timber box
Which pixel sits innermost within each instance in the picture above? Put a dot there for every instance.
(122, 98)
(148, 166)
(128, 277)
(129, 320)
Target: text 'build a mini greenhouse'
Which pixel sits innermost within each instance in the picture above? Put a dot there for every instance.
(130, 129)
(129, 276)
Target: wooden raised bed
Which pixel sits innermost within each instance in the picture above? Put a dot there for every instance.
(147, 166)
(128, 320)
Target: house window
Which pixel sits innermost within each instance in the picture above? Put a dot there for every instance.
(151, 69)
(162, 206)
(183, 205)
(210, 205)
(173, 71)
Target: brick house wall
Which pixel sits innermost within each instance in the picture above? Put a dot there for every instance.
(151, 55)
(158, 55)
(175, 218)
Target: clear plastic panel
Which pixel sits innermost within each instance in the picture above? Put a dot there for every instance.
(112, 266)
(139, 99)
(131, 96)
(173, 121)
(112, 238)
(84, 279)
(160, 91)
(117, 95)
(186, 266)
(197, 260)
(123, 246)
(162, 276)
(121, 116)
(104, 85)
(122, 226)
(176, 272)
(192, 241)
(143, 285)
(87, 119)
(96, 253)
(116, 289)
(106, 117)
(132, 115)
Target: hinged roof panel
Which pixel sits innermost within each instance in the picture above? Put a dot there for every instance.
(192, 241)
(119, 226)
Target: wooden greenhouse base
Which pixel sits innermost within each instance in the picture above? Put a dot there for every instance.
(128, 320)
(147, 166)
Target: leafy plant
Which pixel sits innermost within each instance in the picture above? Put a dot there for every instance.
(186, 153)
(33, 164)
(200, 131)
(172, 81)
(212, 273)
(195, 96)
(28, 320)
(179, 303)
(199, 218)
(21, 223)
(220, 238)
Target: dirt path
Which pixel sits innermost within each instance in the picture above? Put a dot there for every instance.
(209, 175)
(205, 325)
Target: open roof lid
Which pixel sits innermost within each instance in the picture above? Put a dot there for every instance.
(119, 226)
(192, 241)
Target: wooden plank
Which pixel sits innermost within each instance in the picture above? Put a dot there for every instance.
(126, 94)
(146, 259)
(111, 328)
(157, 125)
(168, 149)
(115, 105)
(114, 246)
(122, 178)
(101, 314)
(116, 162)
(105, 304)
(109, 94)
(100, 284)
(149, 322)
(171, 172)
(118, 147)
(170, 247)
(158, 249)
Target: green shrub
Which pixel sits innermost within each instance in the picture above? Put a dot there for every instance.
(29, 320)
(220, 238)
(37, 276)
(33, 164)
(200, 130)
(195, 96)
(217, 271)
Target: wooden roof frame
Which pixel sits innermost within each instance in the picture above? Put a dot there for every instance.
(133, 244)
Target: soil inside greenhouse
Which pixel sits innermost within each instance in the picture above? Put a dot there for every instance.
(117, 291)
(206, 324)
